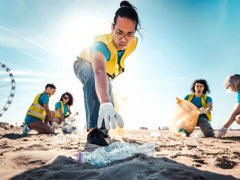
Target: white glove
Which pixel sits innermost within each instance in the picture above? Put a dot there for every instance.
(222, 131)
(108, 113)
(203, 110)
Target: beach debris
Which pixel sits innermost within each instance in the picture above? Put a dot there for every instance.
(197, 134)
(190, 142)
(103, 156)
(59, 139)
(70, 125)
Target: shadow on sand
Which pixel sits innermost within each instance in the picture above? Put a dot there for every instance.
(136, 167)
(14, 136)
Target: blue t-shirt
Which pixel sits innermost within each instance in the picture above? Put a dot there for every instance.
(43, 99)
(197, 101)
(58, 105)
(238, 96)
(101, 47)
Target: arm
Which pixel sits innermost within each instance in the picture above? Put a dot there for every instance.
(209, 107)
(101, 85)
(49, 115)
(233, 115)
(61, 114)
(101, 79)
(70, 112)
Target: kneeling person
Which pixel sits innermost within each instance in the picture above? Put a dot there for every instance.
(203, 103)
(38, 115)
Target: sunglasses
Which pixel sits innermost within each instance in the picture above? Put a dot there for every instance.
(65, 97)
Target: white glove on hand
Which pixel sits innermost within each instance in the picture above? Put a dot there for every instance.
(108, 113)
(203, 110)
(222, 131)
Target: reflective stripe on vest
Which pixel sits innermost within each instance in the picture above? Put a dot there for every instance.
(38, 106)
(37, 114)
(204, 104)
(112, 67)
(36, 110)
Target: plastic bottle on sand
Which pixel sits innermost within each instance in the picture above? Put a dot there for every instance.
(115, 151)
(191, 142)
(59, 139)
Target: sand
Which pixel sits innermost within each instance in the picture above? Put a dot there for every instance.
(45, 157)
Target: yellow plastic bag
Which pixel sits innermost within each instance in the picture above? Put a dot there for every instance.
(185, 118)
(118, 131)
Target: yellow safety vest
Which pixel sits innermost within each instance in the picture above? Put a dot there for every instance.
(57, 114)
(112, 67)
(204, 104)
(36, 109)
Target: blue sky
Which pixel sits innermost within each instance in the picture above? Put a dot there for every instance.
(182, 41)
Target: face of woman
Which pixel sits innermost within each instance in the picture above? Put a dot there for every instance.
(65, 99)
(123, 32)
(199, 88)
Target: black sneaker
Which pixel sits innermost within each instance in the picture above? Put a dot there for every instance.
(96, 137)
(105, 132)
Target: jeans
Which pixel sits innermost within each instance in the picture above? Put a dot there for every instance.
(205, 126)
(84, 72)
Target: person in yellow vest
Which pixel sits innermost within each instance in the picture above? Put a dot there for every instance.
(204, 103)
(102, 62)
(38, 114)
(62, 108)
(232, 83)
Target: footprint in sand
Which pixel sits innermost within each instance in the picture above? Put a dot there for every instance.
(227, 142)
(225, 163)
(237, 154)
(40, 147)
(200, 161)
(196, 165)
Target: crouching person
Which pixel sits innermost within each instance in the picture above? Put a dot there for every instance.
(38, 114)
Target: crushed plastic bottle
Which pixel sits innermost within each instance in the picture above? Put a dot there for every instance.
(103, 156)
(59, 139)
(197, 134)
(71, 123)
(73, 120)
(191, 142)
(69, 129)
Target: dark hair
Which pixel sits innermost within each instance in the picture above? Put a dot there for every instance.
(70, 102)
(129, 11)
(201, 81)
(51, 86)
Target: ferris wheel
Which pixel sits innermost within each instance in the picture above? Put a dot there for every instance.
(7, 88)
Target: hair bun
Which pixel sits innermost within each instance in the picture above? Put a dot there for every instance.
(125, 3)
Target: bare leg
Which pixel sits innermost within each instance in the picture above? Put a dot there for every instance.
(41, 127)
(238, 119)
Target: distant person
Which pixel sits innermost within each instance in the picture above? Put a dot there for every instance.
(232, 83)
(204, 104)
(102, 62)
(38, 115)
(62, 108)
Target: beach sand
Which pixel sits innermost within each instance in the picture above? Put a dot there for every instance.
(46, 157)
